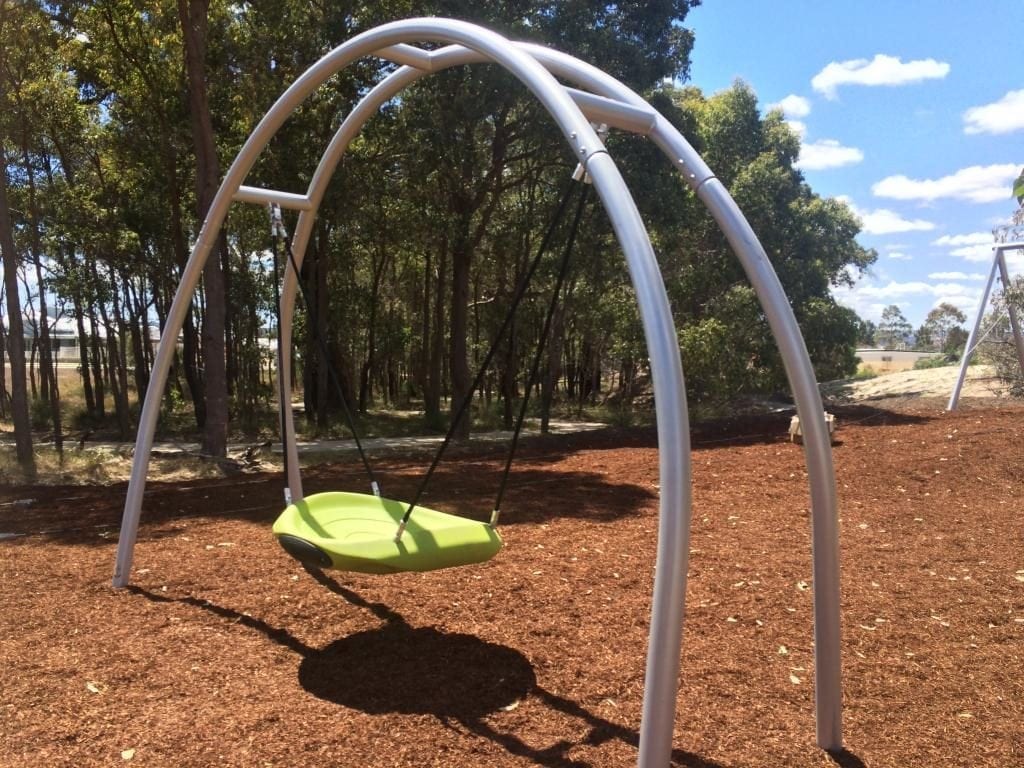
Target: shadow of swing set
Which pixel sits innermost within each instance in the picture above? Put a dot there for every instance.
(372, 534)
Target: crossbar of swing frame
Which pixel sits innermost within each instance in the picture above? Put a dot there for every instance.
(666, 622)
(970, 347)
(260, 196)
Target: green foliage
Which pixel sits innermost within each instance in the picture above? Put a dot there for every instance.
(927, 363)
(999, 349)
(938, 325)
(893, 329)
(435, 212)
(830, 332)
(864, 373)
(955, 342)
(866, 330)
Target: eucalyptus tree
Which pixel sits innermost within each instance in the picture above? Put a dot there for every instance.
(893, 328)
(488, 132)
(940, 322)
(810, 241)
(25, 40)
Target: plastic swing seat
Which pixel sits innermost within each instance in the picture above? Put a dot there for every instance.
(356, 532)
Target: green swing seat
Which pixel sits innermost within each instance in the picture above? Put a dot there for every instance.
(356, 532)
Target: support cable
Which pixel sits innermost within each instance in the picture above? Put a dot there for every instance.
(563, 271)
(279, 232)
(499, 337)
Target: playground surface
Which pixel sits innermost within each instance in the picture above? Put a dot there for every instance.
(226, 652)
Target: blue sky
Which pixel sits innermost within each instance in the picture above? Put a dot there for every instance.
(911, 111)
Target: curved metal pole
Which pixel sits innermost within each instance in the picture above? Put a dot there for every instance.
(673, 542)
(782, 321)
(954, 397)
(657, 320)
(662, 680)
(570, 120)
(825, 546)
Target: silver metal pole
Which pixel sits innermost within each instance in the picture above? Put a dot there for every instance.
(818, 454)
(954, 397)
(674, 449)
(817, 441)
(667, 613)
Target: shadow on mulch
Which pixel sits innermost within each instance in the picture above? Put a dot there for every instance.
(534, 495)
(456, 678)
(754, 429)
(844, 758)
(464, 485)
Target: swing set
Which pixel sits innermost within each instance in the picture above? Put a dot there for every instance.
(373, 534)
(369, 533)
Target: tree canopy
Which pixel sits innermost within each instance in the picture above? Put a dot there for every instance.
(119, 117)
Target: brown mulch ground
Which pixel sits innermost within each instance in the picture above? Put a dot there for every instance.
(225, 652)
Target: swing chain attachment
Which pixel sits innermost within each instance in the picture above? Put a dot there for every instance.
(495, 514)
(580, 174)
(276, 221)
(375, 488)
(400, 531)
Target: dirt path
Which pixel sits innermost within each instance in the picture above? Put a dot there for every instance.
(930, 383)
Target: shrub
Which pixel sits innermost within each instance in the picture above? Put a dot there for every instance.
(935, 361)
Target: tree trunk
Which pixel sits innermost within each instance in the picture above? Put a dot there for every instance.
(366, 374)
(432, 395)
(138, 328)
(462, 259)
(16, 336)
(83, 355)
(46, 370)
(190, 337)
(423, 360)
(5, 396)
(322, 309)
(96, 361)
(554, 367)
(193, 17)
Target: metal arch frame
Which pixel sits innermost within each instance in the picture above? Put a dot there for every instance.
(619, 106)
(998, 263)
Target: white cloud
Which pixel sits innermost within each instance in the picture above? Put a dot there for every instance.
(977, 184)
(974, 252)
(882, 221)
(827, 153)
(1003, 116)
(955, 276)
(899, 256)
(893, 289)
(881, 70)
(793, 106)
(798, 127)
(869, 299)
(965, 302)
(974, 238)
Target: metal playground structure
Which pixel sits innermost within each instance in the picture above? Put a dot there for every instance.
(594, 98)
(1009, 237)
